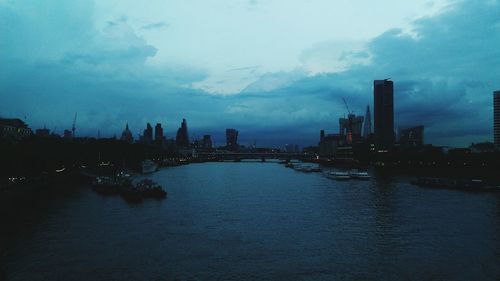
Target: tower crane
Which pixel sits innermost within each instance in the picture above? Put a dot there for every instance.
(348, 111)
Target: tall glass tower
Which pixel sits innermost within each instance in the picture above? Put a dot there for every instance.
(383, 112)
(496, 118)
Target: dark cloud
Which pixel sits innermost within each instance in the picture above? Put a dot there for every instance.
(444, 71)
(444, 75)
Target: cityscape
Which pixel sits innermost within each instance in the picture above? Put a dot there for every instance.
(354, 143)
(250, 140)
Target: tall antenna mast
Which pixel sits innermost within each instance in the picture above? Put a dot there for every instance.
(73, 128)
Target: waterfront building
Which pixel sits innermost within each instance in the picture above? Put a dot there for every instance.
(232, 139)
(412, 137)
(182, 137)
(14, 129)
(496, 119)
(158, 133)
(127, 135)
(350, 127)
(383, 112)
(328, 143)
(367, 127)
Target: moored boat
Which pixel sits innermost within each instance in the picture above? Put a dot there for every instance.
(105, 186)
(336, 175)
(355, 174)
(150, 189)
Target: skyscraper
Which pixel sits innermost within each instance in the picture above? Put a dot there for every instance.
(158, 133)
(182, 137)
(496, 118)
(383, 112)
(148, 134)
(350, 127)
(232, 139)
(367, 127)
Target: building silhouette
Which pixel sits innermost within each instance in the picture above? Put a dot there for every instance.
(42, 133)
(412, 137)
(383, 112)
(496, 118)
(367, 126)
(328, 143)
(158, 133)
(127, 135)
(350, 127)
(147, 136)
(14, 129)
(68, 134)
(182, 137)
(207, 142)
(232, 139)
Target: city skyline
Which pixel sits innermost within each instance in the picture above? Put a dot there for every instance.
(113, 69)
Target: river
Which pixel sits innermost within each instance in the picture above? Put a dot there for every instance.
(259, 221)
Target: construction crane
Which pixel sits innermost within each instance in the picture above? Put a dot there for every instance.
(348, 111)
(350, 116)
(73, 128)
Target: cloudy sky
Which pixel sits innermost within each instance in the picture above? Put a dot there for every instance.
(276, 70)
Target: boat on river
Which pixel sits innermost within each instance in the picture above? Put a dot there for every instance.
(106, 185)
(336, 175)
(150, 189)
(355, 174)
(124, 187)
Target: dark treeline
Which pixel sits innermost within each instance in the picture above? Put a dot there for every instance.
(33, 156)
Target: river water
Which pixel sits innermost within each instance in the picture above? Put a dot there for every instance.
(259, 221)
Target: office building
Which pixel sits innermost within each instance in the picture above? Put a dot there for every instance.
(182, 137)
(383, 112)
(147, 136)
(158, 133)
(232, 139)
(328, 144)
(496, 119)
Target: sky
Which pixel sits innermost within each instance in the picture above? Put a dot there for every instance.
(276, 70)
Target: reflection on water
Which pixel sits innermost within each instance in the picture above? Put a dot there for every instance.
(250, 221)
